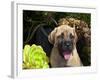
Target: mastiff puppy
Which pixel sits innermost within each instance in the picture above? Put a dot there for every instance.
(64, 51)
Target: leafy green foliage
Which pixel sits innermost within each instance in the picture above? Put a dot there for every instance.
(34, 57)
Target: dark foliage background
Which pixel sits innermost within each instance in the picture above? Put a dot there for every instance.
(33, 18)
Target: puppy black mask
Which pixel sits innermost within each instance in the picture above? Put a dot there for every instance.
(66, 46)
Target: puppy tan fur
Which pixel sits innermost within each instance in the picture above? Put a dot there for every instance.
(62, 56)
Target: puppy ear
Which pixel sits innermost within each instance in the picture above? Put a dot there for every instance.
(51, 36)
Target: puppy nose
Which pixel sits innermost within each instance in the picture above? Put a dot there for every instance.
(67, 43)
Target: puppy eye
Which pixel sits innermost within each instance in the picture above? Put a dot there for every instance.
(62, 34)
(59, 37)
(71, 36)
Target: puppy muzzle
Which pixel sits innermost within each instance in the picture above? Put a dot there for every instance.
(66, 48)
(68, 45)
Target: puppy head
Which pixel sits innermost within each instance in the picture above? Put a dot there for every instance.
(64, 38)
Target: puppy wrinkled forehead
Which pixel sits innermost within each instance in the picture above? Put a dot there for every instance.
(64, 28)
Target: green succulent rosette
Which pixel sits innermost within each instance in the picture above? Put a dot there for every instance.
(34, 57)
